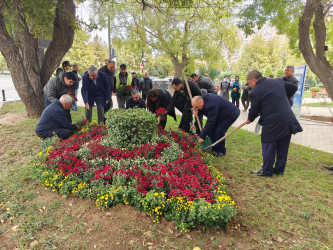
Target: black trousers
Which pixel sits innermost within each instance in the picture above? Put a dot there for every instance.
(235, 100)
(60, 132)
(278, 149)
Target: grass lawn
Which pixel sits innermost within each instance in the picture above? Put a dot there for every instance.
(291, 211)
(319, 104)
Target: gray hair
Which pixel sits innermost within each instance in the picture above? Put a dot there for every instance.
(290, 67)
(135, 92)
(66, 99)
(254, 74)
(92, 69)
(111, 61)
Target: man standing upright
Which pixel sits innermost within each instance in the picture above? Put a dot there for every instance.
(204, 83)
(95, 89)
(65, 68)
(224, 88)
(269, 98)
(123, 80)
(135, 81)
(289, 77)
(145, 85)
(109, 70)
(76, 85)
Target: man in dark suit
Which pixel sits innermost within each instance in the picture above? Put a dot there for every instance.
(179, 96)
(95, 89)
(220, 113)
(269, 99)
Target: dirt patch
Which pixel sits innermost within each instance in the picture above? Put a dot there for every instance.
(318, 118)
(11, 118)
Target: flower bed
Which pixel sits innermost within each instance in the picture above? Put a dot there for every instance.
(168, 177)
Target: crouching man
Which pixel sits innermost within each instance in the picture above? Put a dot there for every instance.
(56, 119)
(220, 113)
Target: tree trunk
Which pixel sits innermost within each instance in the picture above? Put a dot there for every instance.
(317, 60)
(22, 55)
(178, 67)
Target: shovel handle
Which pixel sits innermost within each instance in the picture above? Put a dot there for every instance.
(190, 94)
(231, 132)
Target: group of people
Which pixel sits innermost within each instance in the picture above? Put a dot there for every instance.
(270, 99)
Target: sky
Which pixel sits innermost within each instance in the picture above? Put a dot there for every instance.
(83, 13)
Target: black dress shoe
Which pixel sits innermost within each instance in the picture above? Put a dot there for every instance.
(256, 172)
(278, 173)
(219, 154)
(329, 167)
(263, 174)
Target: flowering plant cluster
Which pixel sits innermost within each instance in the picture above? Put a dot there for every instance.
(167, 177)
(72, 95)
(124, 90)
(161, 112)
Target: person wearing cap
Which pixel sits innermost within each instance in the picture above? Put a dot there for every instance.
(289, 77)
(109, 70)
(65, 67)
(135, 81)
(95, 89)
(56, 119)
(58, 86)
(123, 79)
(145, 85)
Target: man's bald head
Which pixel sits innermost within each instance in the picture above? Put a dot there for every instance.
(198, 102)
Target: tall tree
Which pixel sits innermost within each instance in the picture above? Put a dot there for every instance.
(22, 22)
(182, 30)
(304, 22)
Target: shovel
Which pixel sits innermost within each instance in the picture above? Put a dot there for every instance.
(209, 148)
(207, 141)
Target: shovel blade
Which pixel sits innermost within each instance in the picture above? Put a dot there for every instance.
(206, 145)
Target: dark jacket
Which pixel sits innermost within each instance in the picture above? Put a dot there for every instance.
(132, 104)
(183, 97)
(54, 117)
(145, 85)
(246, 92)
(56, 87)
(269, 98)
(99, 92)
(136, 83)
(207, 84)
(165, 103)
(292, 80)
(216, 109)
(77, 82)
(110, 76)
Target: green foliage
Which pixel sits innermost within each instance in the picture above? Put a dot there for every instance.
(213, 73)
(314, 89)
(85, 53)
(3, 64)
(130, 127)
(279, 73)
(320, 85)
(268, 71)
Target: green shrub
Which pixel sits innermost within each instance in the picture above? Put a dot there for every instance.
(320, 85)
(314, 89)
(130, 127)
